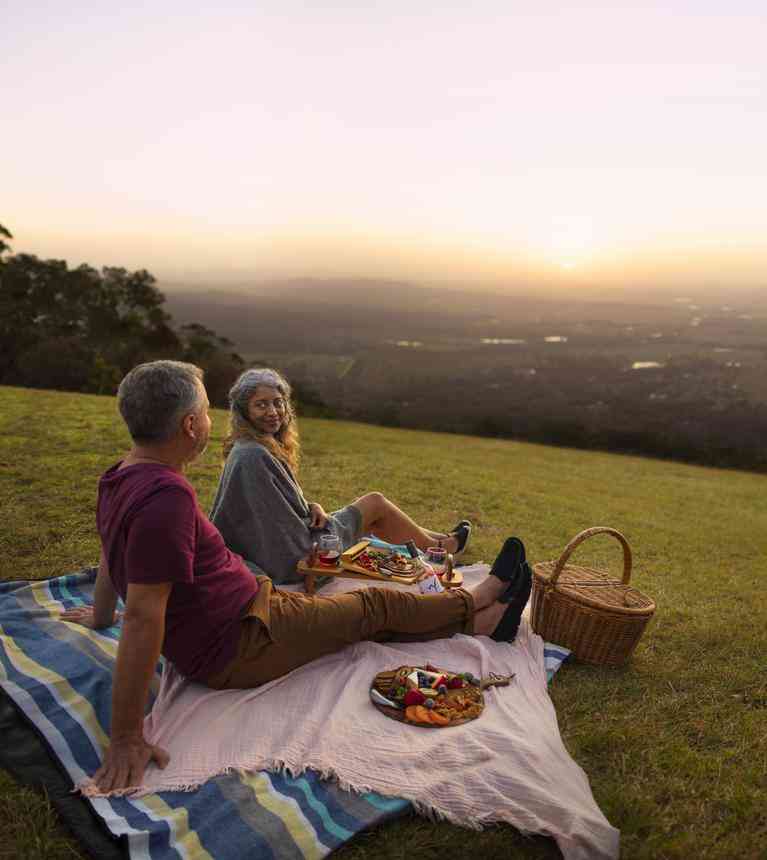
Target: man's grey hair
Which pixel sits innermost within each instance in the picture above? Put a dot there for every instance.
(155, 396)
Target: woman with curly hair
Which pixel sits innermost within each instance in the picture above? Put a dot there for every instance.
(260, 508)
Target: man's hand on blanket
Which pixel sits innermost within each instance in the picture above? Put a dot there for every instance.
(318, 516)
(125, 761)
(84, 615)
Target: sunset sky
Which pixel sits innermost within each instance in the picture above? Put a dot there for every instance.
(516, 142)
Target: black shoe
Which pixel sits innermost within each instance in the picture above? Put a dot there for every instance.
(520, 586)
(516, 595)
(461, 533)
(510, 558)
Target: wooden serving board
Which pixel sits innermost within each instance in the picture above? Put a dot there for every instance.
(349, 569)
(349, 562)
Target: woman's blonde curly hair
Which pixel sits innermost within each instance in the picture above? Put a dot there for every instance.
(284, 445)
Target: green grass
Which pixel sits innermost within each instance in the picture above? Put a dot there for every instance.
(675, 745)
(28, 826)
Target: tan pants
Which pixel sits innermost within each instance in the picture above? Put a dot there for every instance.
(284, 630)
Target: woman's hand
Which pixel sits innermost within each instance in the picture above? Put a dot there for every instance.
(84, 615)
(318, 516)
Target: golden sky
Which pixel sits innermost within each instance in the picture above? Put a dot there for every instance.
(544, 142)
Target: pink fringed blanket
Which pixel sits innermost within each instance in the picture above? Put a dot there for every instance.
(509, 765)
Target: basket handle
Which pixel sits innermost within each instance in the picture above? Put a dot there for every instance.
(584, 535)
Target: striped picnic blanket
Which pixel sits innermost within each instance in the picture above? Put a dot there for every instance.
(60, 676)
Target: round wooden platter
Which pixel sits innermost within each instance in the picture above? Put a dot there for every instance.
(419, 715)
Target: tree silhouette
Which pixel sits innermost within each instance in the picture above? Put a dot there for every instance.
(4, 234)
(83, 329)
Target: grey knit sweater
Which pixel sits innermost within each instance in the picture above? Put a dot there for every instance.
(263, 516)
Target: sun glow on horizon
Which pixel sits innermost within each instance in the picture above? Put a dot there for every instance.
(623, 145)
(567, 243)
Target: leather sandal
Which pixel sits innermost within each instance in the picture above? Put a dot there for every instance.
(461, 533)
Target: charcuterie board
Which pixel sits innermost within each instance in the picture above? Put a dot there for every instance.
(381, 564)
(363, 561)
(431, 697)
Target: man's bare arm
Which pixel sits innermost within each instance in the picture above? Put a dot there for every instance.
(138, 652)
(104, 598)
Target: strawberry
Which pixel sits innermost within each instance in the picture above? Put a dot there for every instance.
(414, 697)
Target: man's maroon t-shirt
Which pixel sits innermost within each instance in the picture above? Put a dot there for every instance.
(152, 530)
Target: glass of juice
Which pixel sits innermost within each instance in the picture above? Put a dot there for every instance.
(436, 555)
(329, 552)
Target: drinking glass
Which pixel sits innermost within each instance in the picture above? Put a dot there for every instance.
(329, 550)
(436, 555)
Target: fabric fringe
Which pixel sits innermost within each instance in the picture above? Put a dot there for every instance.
(433, 813)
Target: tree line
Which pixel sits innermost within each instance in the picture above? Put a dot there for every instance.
(83, 329)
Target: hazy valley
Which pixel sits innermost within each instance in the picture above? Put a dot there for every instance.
(663, 374)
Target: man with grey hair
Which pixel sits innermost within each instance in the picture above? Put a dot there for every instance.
(184, 591)
(152, 397)
(190, 599)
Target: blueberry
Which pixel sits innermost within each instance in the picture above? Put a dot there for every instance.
(429, 704)
(442, 689)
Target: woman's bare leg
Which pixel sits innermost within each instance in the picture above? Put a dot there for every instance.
(385, 520)
(438, 536)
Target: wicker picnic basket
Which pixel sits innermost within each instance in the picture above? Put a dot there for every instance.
(600, 619)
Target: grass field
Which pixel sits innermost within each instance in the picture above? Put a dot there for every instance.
(675, 745)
